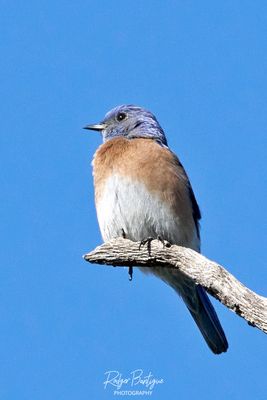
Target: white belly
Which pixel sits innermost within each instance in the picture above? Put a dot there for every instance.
(126, 206)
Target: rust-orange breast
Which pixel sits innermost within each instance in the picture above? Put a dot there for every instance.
(144, 160)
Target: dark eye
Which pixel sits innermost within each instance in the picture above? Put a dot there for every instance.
(121, 116)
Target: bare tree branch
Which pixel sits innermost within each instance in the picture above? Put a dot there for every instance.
(215, 279)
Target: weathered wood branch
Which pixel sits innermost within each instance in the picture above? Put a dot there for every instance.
(215, 279)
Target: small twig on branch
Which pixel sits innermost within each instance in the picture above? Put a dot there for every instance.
(215, 279)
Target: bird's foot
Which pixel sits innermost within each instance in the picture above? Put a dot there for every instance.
(147, 242)
(123, 234)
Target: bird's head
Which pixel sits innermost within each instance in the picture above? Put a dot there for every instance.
(130, 122)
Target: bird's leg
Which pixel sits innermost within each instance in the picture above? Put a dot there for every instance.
(130, 269)
(165, 243)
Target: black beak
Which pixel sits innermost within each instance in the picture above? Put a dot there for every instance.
(95, 127)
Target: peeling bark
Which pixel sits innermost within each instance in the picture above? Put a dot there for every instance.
(217, 281)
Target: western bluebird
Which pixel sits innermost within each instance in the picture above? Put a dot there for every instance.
(142, 190)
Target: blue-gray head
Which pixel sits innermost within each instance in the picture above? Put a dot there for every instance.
(130, 122)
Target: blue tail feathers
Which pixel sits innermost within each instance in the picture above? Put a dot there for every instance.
(206, 318)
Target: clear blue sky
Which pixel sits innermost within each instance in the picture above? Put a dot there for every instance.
(201, 68)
